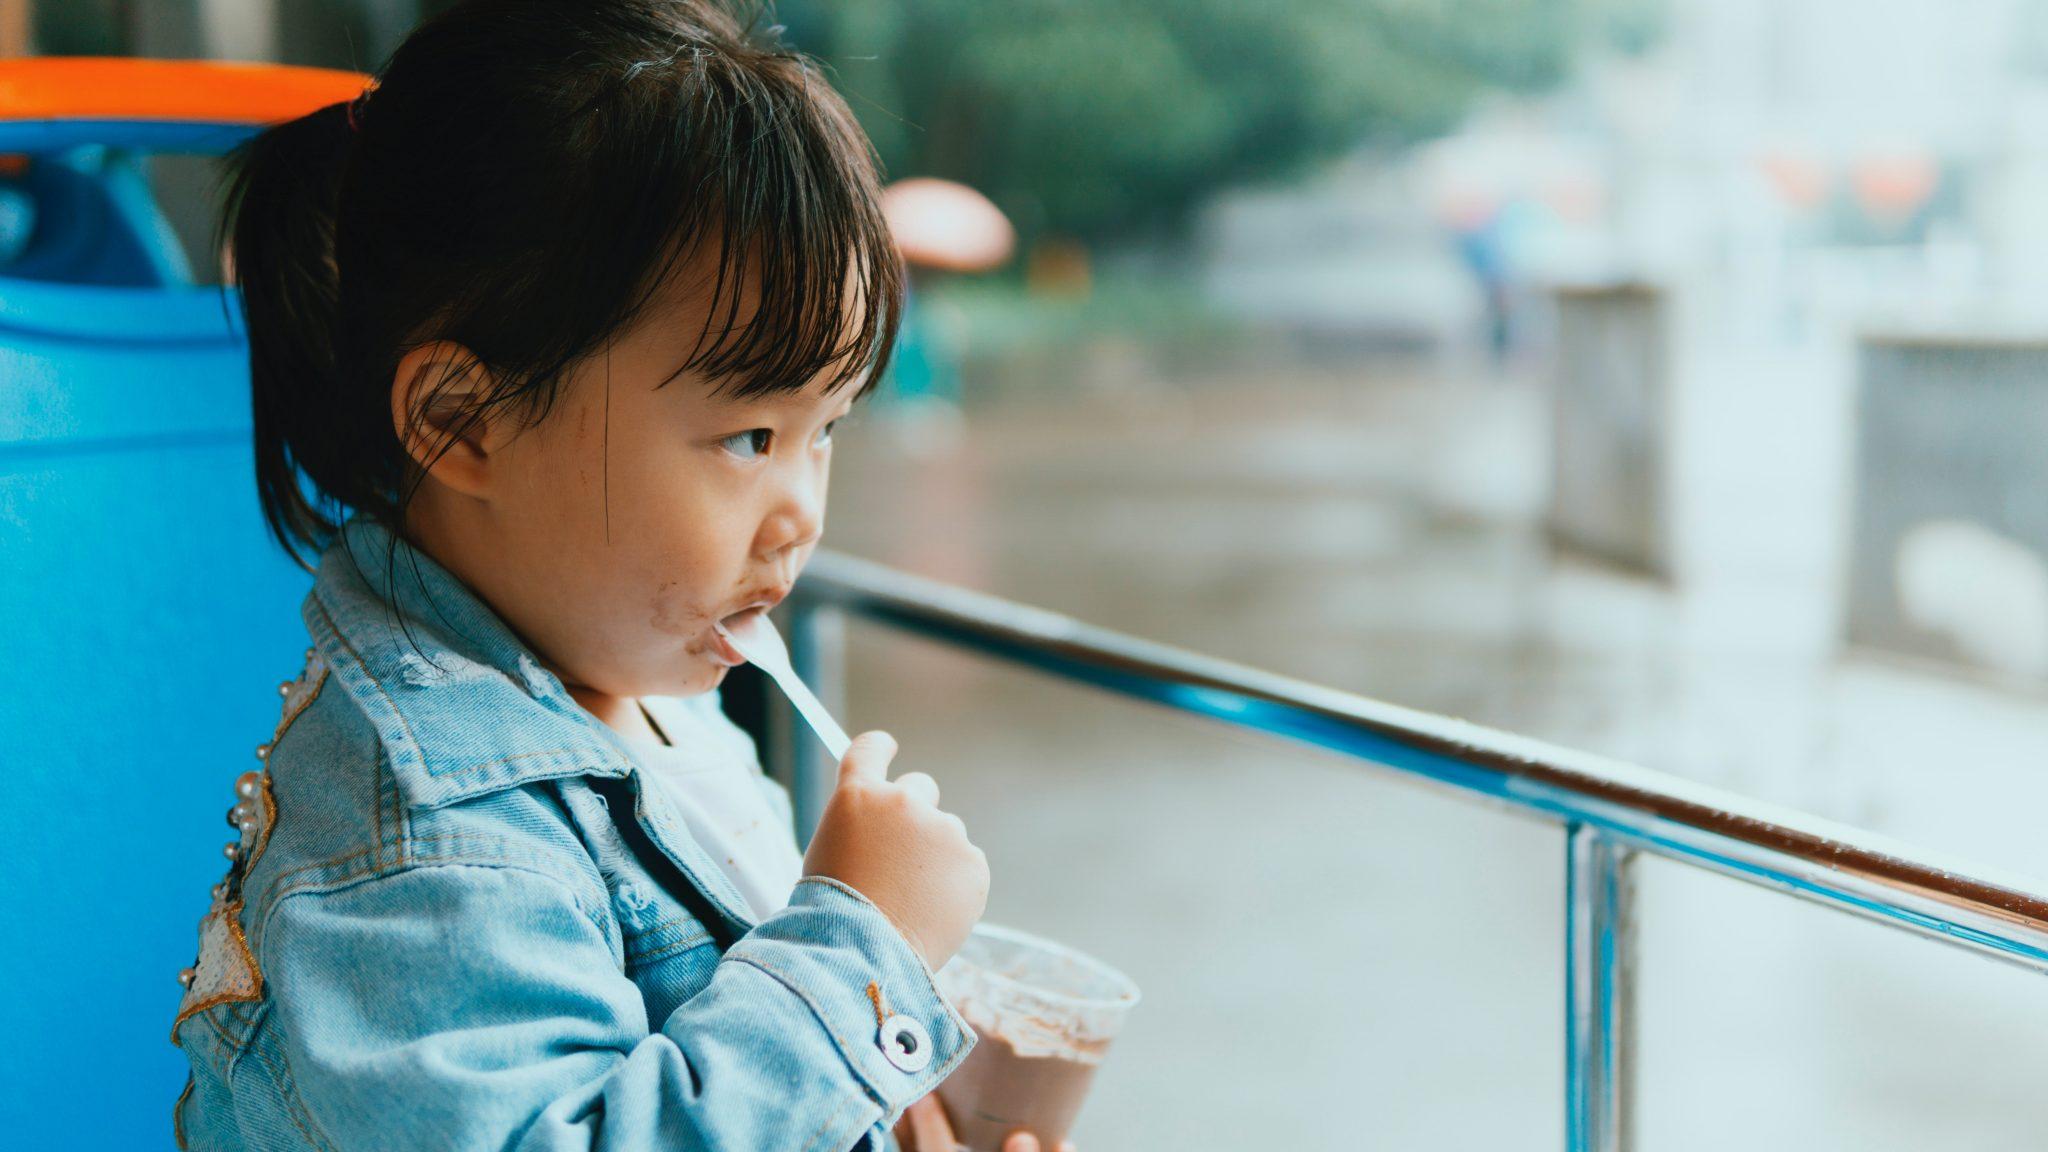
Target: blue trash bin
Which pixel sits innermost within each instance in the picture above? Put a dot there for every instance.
(148, 620)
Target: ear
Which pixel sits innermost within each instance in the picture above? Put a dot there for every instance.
(434, 410)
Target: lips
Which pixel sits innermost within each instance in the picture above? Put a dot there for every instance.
(722, 648)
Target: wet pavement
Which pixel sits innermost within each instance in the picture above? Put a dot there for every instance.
(1335, 958)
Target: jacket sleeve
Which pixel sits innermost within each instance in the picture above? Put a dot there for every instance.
(481, 1007)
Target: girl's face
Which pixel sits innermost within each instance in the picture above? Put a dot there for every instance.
(640, 512)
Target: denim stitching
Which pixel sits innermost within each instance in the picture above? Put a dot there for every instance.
(356, 865)
(361, 673)
(859, 1097)
(589, 833)
(340, 881)
(281, 887)
(250, 1022)
(483, 764)
(385, 842)
(930, 982)
(233, 1048)
(575, 767)
(288, 1094)
(686, 944)
(376, 849)
(846, 1050)
(400, 817)
(684, 921)
(352, 674)
(362, 875)
(221, 1034)
(420, 863)
(361, 853)
(234, 1041)
(178, 1110)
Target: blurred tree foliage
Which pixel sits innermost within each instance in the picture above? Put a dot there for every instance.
(1088, 118)
(1095, 118)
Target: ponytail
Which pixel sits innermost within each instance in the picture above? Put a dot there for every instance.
(277, 224)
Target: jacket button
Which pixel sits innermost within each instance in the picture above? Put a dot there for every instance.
(905, 1042)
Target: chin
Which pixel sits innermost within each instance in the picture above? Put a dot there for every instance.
(705, 679)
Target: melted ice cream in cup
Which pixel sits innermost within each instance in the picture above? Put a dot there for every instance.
(1046, 1015)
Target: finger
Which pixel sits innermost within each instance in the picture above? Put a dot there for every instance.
(1066, 1146)
(928, 1126)
(921, 786)
(959, 825)
(868, 757)
(1021, 1142)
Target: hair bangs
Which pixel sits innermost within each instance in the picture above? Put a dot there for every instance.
(774, 197)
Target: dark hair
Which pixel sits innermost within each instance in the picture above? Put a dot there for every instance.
(522, 178)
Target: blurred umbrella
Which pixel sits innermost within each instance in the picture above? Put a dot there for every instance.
(941, 224)
(1892, 188)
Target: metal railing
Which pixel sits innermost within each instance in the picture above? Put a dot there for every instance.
(1611, 812)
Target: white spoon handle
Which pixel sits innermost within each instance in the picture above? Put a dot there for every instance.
(813, 711)
(757, 640)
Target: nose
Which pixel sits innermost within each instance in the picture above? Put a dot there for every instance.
(796, 517)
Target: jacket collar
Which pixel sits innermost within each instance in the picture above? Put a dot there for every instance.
(460, 703)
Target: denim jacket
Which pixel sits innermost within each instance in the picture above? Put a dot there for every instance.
(456, 918)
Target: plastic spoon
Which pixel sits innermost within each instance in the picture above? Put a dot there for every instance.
(756, 638)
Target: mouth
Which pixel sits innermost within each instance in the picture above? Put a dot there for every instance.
(722, 649)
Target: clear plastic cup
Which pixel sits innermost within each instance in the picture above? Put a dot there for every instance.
(1046, 1015)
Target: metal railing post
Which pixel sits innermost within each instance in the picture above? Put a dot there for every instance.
(817, 650)
(1599, 1014)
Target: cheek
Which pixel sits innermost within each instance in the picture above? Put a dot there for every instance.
(698, 569)
(559, 466)
(676, 610)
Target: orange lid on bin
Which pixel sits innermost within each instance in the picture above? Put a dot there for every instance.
(198, 91)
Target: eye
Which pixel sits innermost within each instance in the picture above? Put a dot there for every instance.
(825, 434)
(748, 445)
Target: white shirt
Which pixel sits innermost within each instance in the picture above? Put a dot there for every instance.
(736, 814)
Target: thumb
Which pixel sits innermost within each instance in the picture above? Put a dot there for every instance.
(868, 757)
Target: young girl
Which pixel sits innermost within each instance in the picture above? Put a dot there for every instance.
(549, 332)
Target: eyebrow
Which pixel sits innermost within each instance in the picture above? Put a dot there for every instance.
(787, 398)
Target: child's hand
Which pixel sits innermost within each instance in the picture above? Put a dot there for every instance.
(924, 1128)
(890, 842)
